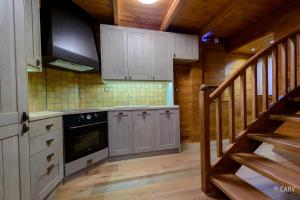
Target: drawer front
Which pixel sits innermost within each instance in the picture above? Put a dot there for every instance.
(46, 167)
(41, 162)
(43, 142)
(42, 127)
(86, 161)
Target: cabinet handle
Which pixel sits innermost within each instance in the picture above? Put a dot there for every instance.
(125, 77)
(25, 128)
(49, 157)
(120, 113)
(129, 77)
(25, 117)
(49, 126)
(174, 55)
(50, 168)
(38, 62)
(153, 78)
(167, 111)
(48, 142)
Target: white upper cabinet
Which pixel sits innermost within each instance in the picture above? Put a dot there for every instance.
(33, 35)
(161, 56)
(186, 47)
(8, 86)
(113, 52)
(139, 54)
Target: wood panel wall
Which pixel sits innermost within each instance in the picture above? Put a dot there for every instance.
(214, 66)
(187, 81)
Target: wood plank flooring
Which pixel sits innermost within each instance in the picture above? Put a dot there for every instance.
(165, 177)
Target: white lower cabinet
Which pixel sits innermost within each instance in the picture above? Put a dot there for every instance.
(142, 131)
(144, 122)
(120, 133)
(168, 129)
(9, 169)
(46, 156)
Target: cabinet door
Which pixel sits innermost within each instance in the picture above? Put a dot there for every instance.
(113, 52)
(8, 93)
(161, 56)
(33, 35)
(9, 169)
(186, 47)
(144, 131)
(139, 54)
(168, 129)
(120, 133)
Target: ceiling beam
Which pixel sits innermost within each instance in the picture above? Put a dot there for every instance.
(219, 18)
(116, 11)
(170, 15)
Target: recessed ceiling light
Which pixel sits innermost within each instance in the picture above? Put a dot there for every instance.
(253, 49)
(148, 1)
(272, 41)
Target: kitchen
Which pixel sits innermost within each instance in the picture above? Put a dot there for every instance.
(82, 114)
(110, 99)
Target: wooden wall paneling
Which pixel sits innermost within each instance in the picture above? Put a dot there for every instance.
(265, 95)
(292, 64)
(274, 75)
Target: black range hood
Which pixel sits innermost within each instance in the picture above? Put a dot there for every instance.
(68, 40)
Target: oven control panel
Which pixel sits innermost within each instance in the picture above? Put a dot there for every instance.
(84, 118)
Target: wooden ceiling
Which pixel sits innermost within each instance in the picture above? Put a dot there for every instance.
(224, 18)
(256, 45)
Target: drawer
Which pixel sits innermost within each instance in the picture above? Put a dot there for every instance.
(44, 126)
(85, 161)
(46, 168)
(41, 162)
(43, 142)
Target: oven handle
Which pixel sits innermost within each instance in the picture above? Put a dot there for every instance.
(86, 125)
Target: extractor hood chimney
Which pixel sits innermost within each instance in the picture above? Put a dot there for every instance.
(68, 39)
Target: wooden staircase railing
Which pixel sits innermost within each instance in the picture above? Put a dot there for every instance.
(285, 54)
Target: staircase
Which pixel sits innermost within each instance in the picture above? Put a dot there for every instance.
(268, 113)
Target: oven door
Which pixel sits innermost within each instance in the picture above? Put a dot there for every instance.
(84, 140)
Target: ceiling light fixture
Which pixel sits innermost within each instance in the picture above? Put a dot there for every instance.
(148, 1)
(272, 41)
(253, 49)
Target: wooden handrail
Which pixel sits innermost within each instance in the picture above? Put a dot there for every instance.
(249, 62)
(284, 52)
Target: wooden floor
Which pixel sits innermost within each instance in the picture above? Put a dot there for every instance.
(165, 177)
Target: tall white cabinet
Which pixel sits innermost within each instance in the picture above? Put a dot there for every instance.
(33, 35)
(14, 147)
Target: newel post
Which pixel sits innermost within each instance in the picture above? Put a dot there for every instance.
(205, 137)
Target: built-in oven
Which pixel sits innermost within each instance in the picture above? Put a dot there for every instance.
(85, 140)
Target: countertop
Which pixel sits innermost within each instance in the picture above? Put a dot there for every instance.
(33, 116)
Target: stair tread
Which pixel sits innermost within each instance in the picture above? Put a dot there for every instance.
(236, 188)
(269, 168)
(287, 118)
(279, 140)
